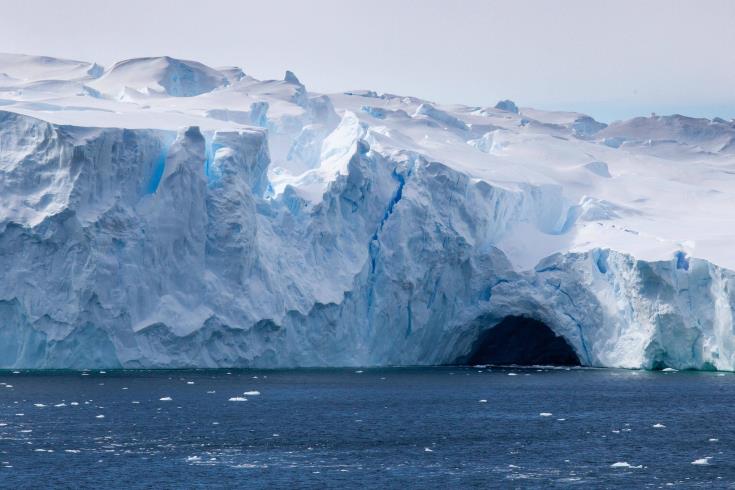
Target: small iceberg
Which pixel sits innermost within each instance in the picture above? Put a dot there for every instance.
(702, 461)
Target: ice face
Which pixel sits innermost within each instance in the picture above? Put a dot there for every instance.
(259, 224)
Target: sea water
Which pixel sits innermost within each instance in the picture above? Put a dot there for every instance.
(450, 427)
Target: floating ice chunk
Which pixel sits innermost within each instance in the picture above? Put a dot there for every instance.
(358, 372)
(483, 401)
(512, 374)
(60, 405)
(702, 461)
(252, 393)
(72, 451)
(74, 404)
(562, 420)
(100, 416)
(428, 450)
(713, 439)
(668, 370)
(165, 399)
(211, 392)
(623, 464)
(39, 405)
(546, 414)
(190, 382)
(238, 399)
(135, 402)
(659, 426)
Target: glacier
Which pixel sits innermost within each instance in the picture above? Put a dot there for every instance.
(162, 213)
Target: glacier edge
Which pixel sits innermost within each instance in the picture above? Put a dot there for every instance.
(398, 264)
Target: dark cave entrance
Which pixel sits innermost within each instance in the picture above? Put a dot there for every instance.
(524, 342)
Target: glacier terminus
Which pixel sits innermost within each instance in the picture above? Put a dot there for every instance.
(164, 213)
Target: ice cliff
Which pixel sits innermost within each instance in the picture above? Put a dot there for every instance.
(162, 213)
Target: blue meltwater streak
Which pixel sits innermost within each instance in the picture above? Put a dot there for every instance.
(158, 170)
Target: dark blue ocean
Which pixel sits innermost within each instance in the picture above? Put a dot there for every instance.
(372, 428)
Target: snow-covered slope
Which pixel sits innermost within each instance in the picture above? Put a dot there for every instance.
(165, 213)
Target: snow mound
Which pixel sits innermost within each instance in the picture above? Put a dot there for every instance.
(160, 76)
(507, 106)
(705, 134)
(35, 68)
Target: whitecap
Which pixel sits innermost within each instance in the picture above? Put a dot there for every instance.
(252, 393)
(546, 414)
(659, 426)
(237, 399)
(165, 399)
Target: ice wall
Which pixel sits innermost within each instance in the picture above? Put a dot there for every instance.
(151, 248)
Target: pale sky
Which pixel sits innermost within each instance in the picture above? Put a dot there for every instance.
(610, 59)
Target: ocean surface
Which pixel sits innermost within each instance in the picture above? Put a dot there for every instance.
(370, 428)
